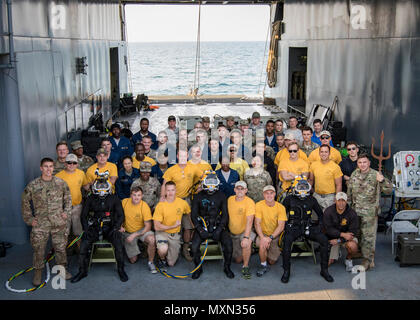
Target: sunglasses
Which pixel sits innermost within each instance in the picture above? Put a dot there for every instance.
(294, 151)
(354, 148)
(69, 162)
(325, 137)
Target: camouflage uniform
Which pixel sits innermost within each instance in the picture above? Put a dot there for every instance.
(151, 187)
(58, 166)
(270, 152)
(256, 181)
(85, 162)
(364, 192)
(309, 149)
(46, 201)
(151, 154)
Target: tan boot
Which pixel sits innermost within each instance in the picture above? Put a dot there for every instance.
(365, 263)
(68, 275)
(37, 280)
(186, 252)
(372, 264)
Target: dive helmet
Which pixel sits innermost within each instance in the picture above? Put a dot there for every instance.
(210, 181)
(101, 186)
(301, 187)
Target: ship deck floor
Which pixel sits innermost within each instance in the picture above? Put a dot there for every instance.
(387, 281)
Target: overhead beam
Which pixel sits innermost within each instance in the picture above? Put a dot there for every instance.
(207, 2)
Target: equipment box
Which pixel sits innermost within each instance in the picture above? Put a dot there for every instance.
(408, 249)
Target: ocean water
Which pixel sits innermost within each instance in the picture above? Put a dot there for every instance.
(167, 68)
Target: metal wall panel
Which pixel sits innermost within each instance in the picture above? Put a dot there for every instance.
(375, 72)
(49, 93)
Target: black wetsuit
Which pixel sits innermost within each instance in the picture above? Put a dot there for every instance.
(299, 223)
(109, 211)
(213, 209)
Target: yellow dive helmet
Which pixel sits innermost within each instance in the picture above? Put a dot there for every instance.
(301, 187)
(209, 181)
(101, 185)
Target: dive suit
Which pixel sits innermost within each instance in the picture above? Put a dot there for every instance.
(107, 218)
(299, 210)
(212, 207)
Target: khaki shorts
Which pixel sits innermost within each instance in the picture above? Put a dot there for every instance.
(236, 241)
(74, 222)
(132, 248)
(185, 221)
(274, 250)
(173, 241)
(335, 249)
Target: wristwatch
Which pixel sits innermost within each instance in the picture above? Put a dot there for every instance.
(246, 237)
(271, 237)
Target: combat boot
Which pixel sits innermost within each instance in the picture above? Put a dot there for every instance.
(228, 271)
(186, 252)
(37, 280)
(365, 264)
(67, 275)
(79, 276)
(286, 276)
(324, 273)
(197, 273)
(122, 274)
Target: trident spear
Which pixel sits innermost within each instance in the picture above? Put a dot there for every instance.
(381, 157)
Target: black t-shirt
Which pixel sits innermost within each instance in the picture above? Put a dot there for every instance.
(347, 167)
(336, 223)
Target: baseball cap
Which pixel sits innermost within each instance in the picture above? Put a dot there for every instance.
(241, 184)
(289, 136)
(101, 151)
(269, 187)
(171, 118)
(230, 118)
(256, 115)
(145, 166)
(76, 145)
(325, 133)
(205, 119)
(341, 196)
(71, 157)
(244, 122)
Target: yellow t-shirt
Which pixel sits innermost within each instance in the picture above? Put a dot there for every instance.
(270, 216)
(112, 169)
(335, 155)
(239, 165)
(297, 167)
(136, 163)
(325, 174)
(135, 215)
(168, 213)
(284, 154)
(238, 212)
(75, 181)
(183, 178)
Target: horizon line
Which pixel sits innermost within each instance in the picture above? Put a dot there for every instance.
(166, 41)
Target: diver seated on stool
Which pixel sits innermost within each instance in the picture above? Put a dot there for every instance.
(299, 206)
(107, 219)
(211, 206)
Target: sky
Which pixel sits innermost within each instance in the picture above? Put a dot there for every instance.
(161, 23)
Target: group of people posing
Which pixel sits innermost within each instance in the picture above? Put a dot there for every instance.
(246, 185)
